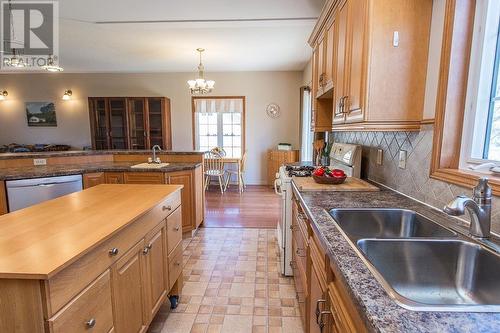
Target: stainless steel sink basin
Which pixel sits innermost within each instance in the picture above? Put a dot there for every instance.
(387, 223)
(436, 275)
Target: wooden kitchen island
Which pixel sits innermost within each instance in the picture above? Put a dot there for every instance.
(101, 260)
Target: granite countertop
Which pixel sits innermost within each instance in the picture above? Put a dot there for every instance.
(73, 169)
(8, 156)
(380, 312)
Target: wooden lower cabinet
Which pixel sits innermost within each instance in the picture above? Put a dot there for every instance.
(114, 178)
(327, 307)
(129, 276)
(93, 179)
(155, 252)
(117, 286)
(3, 198)
(276, 158)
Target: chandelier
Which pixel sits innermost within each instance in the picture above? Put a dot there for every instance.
(200, 85)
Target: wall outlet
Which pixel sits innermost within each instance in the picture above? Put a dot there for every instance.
(402, 159)
(380, 157)
(39, 161)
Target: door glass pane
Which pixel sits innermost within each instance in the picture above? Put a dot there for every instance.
(136, 117)
(155, 121)
(118, 123)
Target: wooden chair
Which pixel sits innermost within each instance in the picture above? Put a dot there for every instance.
(238, 173)
(214, 167)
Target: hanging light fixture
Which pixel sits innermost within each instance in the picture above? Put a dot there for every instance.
(200, 85)
(51, 66)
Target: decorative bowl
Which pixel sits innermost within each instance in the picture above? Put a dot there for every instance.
(329, 180)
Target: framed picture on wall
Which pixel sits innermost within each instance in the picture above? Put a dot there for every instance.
(41, 114)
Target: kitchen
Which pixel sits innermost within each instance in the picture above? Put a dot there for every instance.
(138, 199)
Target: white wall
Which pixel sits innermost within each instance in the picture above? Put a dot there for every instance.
(260, 88)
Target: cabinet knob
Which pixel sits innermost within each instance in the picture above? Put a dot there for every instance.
(113, 252)
(177, 228)
(90, 323)
(177, 263)
(147, 248)
(166, 208)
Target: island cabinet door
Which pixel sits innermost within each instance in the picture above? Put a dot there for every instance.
(155, 253)
(129, 275)
(317, 302)
(184, 178)
(93, 179)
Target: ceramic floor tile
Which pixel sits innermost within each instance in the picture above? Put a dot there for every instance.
(232, 284)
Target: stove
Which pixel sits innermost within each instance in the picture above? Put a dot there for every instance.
(299, 170)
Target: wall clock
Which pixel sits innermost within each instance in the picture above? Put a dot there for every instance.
(273, 110)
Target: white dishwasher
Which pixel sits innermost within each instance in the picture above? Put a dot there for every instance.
(28, 192)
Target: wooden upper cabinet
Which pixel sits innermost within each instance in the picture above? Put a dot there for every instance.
(378, 82)
(354, 80)
(340, 62)
(130, 122)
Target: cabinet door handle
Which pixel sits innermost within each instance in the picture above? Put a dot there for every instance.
(91, 323)
(321, 322)
(318, 311)
(113, 252)
(168, 208)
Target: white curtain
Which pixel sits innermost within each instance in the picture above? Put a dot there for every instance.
(218, 105)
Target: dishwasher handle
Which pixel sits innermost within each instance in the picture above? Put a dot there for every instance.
(45, 184)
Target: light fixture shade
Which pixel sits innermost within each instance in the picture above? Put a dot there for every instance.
(67, 95)
(192, 84)
(210, 84)
(3, 95)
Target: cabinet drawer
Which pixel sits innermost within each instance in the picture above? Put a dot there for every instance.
(70, 281)
(144, 178)
(174, 265)
(174, 229)
(88, 311)
(167, 206)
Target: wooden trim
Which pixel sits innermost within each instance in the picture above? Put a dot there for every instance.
(379, 126)
(428, 121)
(450, 102)
(243, 119)
(321, 22)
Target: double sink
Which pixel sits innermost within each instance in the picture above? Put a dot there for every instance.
(422, 265)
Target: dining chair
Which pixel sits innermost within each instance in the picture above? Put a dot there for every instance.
(238, 173)
(214, 167)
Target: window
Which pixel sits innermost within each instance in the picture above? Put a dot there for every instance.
(306, 135)
(219, 122)
(481, 132)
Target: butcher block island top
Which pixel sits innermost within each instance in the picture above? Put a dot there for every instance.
(39, 241)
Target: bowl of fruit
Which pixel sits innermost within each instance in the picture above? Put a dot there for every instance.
(325, 175)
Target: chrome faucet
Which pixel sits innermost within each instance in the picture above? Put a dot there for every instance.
(156, 159)
(479, 208)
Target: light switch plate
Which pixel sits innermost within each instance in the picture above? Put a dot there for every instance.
(402, 159)
(39, 161)
(395, 39)
(380, 157)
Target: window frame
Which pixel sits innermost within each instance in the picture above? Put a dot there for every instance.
(243, 118)
(450, 101)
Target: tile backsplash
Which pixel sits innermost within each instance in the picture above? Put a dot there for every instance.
(413, 181)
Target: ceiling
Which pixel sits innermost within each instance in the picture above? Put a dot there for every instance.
(162, 35)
